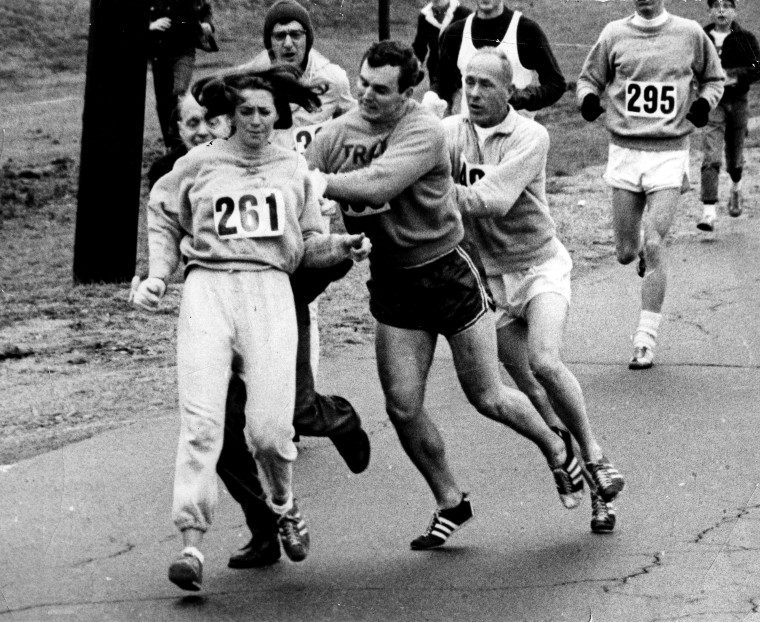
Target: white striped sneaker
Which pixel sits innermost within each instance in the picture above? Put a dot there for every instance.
(444, 524)
(568, 478)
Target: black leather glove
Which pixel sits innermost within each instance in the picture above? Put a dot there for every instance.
(699, 113)
(591, 108)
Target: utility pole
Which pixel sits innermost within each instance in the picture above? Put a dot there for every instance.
(384, 19)
(110, 168)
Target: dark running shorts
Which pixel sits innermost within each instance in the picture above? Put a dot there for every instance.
(446, 296)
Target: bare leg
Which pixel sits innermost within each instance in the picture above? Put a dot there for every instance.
(547, 316)
(476, 362)
(403, 360)
(627, 211)
(512, 341)
(657, 221)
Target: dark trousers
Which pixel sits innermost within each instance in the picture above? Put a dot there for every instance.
(315, 415)
(725, 132)
(172, 75)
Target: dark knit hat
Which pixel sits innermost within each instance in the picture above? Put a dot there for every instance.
(282, 12)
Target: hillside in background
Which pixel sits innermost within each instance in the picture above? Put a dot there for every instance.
(43, 37)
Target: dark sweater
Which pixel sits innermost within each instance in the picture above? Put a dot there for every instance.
(533, 51)
(425, 42)
(740, 55)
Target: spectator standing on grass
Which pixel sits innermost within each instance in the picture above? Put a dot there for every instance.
(662, 76)
(537, 78)
(498, 161)
(727, 126)
(176, 28)
(387, 165)
(243, 213)
(314, 414)
(432, 20)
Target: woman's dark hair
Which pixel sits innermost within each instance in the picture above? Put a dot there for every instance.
(398, 55)
(221, 94)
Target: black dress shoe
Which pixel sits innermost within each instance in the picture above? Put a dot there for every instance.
(354, 447)
(257, 553)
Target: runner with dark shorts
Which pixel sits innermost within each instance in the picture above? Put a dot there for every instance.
(386, 163)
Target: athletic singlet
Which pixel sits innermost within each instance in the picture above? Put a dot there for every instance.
(521, 77)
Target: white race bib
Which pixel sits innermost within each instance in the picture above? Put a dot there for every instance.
(653, 100)
(304, 135)
(363, 210)
(257, 213)
(471, 173)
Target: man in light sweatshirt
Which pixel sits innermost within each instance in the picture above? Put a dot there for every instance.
(498, 158)
(647, 65)
(386, 163)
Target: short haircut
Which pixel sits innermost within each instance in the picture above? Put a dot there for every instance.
(395, 54)
(506, 66)
(711, 3)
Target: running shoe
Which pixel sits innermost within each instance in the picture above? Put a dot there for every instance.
(707, 222)
(569, 478)
(608, 480)
(444, 524)
(187, 571)
(258, 552)
(294, 535)
(641, 269)
(602, 515)
(643, 358)
(735, 207)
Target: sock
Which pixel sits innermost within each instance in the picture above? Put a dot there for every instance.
(193, 551)
(646, 333)
(281, 509)
(708, 210)
(736, 185)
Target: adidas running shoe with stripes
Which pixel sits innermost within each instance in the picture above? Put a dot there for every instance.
(444, 524)
(294, 535)
(602, 515)
(608, 480)
(569, 477)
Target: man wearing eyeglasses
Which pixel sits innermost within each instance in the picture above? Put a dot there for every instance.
(289, 38)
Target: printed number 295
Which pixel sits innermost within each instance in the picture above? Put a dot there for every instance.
(650, 99)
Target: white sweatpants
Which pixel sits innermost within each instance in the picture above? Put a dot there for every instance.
(248, 317)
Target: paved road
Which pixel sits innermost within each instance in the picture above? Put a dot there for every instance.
(86, 532)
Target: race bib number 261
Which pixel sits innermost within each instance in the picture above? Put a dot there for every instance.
(258, 213)
(654, 100)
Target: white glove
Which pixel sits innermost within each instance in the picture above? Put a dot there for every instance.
(318, 182)
(434, 104)
(147, 294)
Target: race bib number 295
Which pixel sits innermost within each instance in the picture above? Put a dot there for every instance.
(654, 100)
(258, 213)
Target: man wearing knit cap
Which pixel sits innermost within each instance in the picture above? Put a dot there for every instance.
(289, 38)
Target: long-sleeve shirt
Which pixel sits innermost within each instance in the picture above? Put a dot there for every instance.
(223, 211)
(740, 58)
(393, 182)
(501, 191)
(648, 73)
(429, 31)
(534, 53)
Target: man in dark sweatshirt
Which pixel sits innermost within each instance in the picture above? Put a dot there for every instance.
(727, 127)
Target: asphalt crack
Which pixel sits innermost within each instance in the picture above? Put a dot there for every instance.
(728, 517)
(656, 562)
